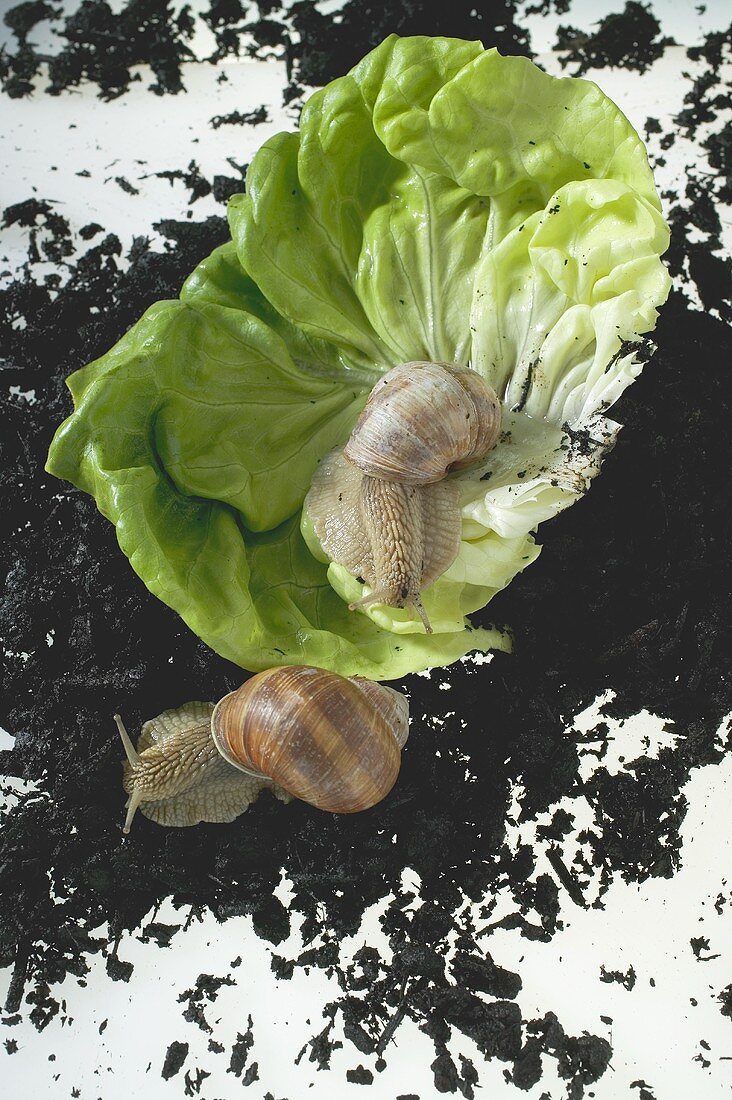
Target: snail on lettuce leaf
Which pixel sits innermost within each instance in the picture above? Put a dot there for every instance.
(440, 204)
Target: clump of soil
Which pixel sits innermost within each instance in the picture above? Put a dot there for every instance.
(630, 39)
(102, 44)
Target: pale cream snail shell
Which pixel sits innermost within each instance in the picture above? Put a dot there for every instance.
(381, 506)
(423, 420)
(298, 731)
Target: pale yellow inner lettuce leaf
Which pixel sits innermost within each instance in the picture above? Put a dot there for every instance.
(557, 299)
(556, 306)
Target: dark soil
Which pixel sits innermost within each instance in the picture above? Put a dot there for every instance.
(632, 592)
(630, 39)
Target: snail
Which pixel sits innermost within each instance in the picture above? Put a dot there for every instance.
(298, 731)
(383, 506)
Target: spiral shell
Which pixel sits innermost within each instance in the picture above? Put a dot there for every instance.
(423, 420)
(331, 741)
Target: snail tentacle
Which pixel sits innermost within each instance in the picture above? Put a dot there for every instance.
(419, 608)
(130, 750)
(133, 802)
(132, 806)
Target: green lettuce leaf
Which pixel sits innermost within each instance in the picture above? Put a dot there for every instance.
(439, 202)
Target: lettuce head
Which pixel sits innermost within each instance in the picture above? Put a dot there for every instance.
(440, 202)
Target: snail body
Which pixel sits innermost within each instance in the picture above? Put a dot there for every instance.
(382, 506)
(297, 731)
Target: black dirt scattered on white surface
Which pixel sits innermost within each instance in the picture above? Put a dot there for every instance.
(608, 605)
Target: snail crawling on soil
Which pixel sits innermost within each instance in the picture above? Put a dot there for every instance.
(381, 506)
(298, 731)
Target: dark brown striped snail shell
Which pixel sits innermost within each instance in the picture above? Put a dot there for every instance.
(298, 731)
(383, 506)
